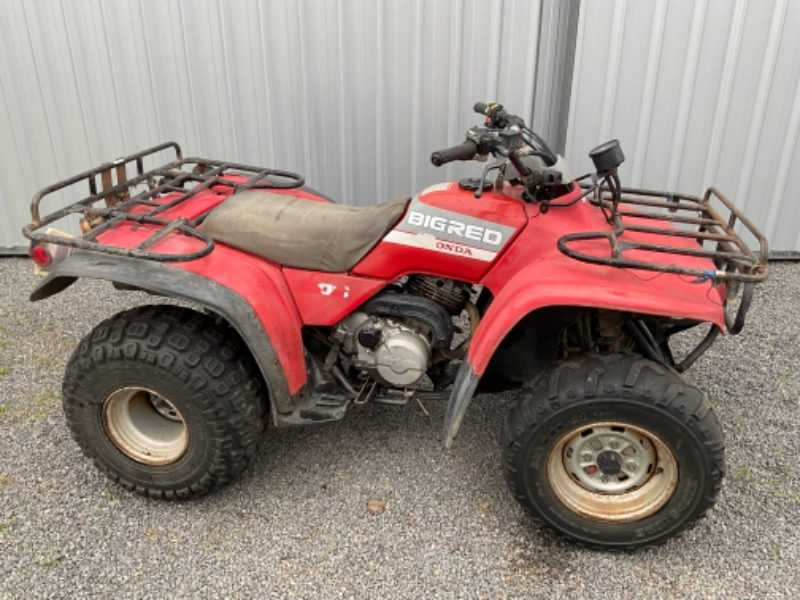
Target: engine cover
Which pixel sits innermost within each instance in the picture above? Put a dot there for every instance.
(403, 356)
(399, 358)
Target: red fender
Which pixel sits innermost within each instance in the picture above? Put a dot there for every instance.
(257, 280)
(261, 283)
(534, 274)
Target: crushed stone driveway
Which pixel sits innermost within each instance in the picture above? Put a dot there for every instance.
(299, 524)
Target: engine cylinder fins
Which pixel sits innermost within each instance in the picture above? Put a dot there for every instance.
(451, 294)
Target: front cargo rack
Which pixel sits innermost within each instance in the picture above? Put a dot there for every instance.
(144, 196)
(733, 259)
(648, 215)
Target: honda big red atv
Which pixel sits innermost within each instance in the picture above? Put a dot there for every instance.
(567, 290)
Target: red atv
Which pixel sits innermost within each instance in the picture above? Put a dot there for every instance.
(565, 289)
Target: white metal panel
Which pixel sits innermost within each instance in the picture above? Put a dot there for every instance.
(698, 92)
(354, 94)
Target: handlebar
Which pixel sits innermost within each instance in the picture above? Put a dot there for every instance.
(496, 115)
(463, 151)
(503, 134)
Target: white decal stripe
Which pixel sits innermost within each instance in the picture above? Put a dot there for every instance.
(429, 242)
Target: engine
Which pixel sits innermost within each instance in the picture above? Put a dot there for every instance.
(392, 336)
(393, 353)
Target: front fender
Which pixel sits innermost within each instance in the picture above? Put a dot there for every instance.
(550, 284)
(238, 287)
(557, 282)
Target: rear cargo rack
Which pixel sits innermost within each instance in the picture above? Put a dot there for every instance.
(142, 197)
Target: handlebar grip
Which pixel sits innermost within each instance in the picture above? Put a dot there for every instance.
(463, 151)
(480, 108)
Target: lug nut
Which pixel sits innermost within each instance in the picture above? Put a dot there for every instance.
(614, 444)
(632, 466)
(586, 457)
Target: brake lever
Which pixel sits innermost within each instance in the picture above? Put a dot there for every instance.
(486, 169)
(499, 181)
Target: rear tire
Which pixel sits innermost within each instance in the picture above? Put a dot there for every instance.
(165, 401)
(613, 452)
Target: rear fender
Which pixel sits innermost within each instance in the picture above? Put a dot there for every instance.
(546, 284)
(266, 328)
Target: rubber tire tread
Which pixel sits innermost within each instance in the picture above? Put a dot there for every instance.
(596, 380)
(214, 383)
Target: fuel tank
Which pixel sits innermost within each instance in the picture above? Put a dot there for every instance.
(448, 232)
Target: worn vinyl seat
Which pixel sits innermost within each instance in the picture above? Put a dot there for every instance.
(302, 233)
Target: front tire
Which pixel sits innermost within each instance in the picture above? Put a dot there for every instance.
(613, 452)
(165, 401)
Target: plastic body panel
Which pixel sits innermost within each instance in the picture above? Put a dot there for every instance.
(166, 280)
(262, 284)
(326, 298)
(446, 231)
(533, 274)
(258, 281)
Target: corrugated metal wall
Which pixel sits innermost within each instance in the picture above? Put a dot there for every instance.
(355, 94)
(697, 92)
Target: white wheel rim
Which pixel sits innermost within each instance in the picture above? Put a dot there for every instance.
(145, 426)
(612, 472)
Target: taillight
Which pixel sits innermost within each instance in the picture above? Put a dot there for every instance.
(40, 255)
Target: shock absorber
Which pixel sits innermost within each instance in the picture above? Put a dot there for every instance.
(609, 326)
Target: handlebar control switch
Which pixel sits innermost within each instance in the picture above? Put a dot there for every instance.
(607, 157)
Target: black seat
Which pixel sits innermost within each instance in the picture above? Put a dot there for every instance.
(302, 233)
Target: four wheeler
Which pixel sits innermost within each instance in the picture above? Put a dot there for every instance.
(524, 278)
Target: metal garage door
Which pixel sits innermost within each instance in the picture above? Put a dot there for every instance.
(354, 94)
(697, 92)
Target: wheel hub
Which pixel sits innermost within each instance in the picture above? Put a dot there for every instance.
(165, 408)
(145, 426)
(612, 472)
(610, 462)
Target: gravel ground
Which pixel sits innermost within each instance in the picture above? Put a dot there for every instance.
(297, 524)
